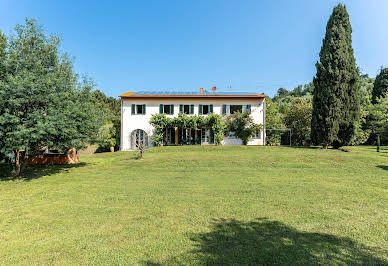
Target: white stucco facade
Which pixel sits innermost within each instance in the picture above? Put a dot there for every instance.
(131, 122)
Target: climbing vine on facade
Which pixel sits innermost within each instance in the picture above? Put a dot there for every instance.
(161, 122)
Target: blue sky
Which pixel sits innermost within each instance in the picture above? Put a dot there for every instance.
(161, 44)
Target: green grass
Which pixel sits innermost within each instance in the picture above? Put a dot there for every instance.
(201, 205)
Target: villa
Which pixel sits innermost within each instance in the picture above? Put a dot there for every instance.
(138, 107)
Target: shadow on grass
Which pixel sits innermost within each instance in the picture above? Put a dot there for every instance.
(36, 171)
(384, 167)
(232, 242)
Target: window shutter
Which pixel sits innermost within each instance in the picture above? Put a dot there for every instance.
(172, 109)
(161, 109)
(224, 109)
(144, 109)
(181, 108)
(211, 108)
(133, 109)
(200, 109)
(192, 109)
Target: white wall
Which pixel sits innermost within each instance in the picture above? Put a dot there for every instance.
(131, 122)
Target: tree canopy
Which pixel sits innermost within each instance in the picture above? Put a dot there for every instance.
(336, 85)
(43, 103)
(380, 86)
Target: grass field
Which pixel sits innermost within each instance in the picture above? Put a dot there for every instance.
(201, 205)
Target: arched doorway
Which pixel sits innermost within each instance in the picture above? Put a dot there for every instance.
(139, 138)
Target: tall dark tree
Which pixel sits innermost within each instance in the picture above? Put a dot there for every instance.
(3, 58)
(380, 87)
(336, 85)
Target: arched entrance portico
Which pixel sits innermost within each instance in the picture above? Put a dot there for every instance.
(138, 138)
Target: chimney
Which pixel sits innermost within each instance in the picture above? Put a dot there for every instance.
(201, 91)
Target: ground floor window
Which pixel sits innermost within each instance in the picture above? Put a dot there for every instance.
(187, 136)
(207, 136)
(139, 138)
(169, 136)
(258, 134)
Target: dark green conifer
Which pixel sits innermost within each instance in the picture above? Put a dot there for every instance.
(336, 85)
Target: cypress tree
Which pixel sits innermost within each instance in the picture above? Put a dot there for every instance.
(380, 86)
(336, 85)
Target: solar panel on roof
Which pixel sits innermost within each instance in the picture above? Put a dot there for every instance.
(182, 92)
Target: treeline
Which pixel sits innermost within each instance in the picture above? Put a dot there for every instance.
(339, 107)
(44, 104)
(293, 109)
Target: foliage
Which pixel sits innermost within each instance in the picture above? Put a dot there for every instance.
(377, 120)
(160, 122)
(242, 125)
(3, 57)
(336, 85)
(380, 86)
(298, 118)
(43, 104)
(273, 120)
(109, 136)
(110, 107)
(362, 133)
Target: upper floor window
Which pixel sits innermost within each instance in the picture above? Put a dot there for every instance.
(205, 109)
(186, 109)
(167, 109)
(138, 109)
(231, 109)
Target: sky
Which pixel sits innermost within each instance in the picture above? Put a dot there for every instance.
(235, 45)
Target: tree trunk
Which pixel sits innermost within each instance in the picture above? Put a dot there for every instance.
(20, 162)
(325, 145)
(17, 167)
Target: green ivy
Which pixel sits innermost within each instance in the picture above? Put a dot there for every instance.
(160, 122)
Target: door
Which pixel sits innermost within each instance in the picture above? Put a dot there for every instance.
(205, 136)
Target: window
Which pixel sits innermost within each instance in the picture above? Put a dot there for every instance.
(231, 109)
(258, 134)
(166, 109)
(138, 109)
(186, 109)
(205, 109)
(235, 109)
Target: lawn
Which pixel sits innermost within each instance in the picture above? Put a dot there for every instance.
(201, 205)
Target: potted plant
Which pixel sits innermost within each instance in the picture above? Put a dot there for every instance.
(112, 143)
